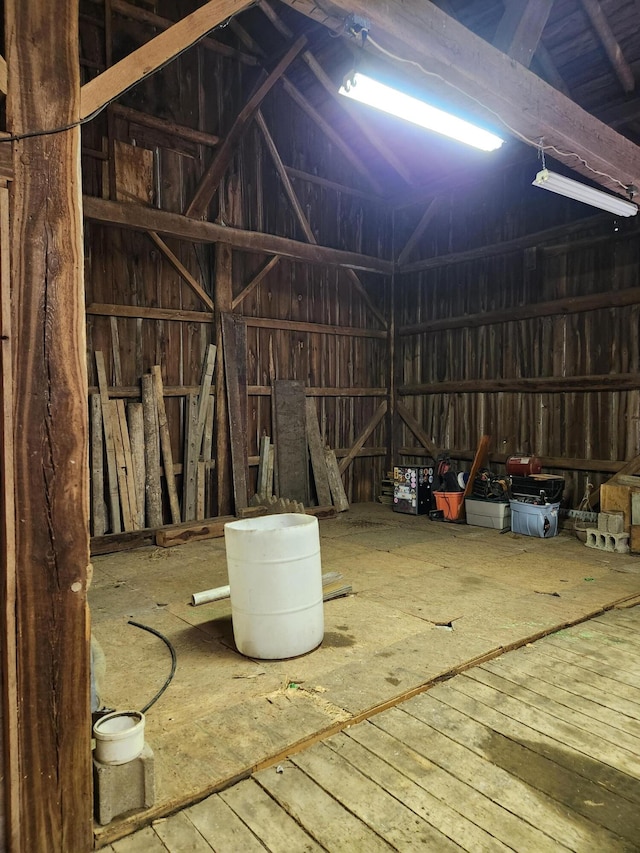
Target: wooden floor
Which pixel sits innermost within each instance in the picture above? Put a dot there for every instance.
(430, 600)
(536, 750)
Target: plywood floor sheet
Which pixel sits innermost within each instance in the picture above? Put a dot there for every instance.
(537, 750)
(430, 600)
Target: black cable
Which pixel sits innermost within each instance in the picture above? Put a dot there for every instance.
(174, 661)
(17, 137)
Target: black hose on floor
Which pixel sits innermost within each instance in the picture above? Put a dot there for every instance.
(174, 661)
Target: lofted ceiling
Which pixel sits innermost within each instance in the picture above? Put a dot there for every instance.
(589, 50)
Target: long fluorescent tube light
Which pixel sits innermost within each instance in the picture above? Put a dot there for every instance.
(362, 88)
(581, 192)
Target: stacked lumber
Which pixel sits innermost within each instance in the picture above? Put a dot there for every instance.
(131, 443)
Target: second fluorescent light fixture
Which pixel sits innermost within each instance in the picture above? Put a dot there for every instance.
(581, 192)
(361, 88)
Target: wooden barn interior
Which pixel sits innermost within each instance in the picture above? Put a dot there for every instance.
(207, 253)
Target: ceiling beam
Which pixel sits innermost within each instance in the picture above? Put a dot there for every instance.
(142, 62)
(610, 44)
(509, 96)
(140, 218)
(520, 28)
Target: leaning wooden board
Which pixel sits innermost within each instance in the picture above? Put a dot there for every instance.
(290, 438)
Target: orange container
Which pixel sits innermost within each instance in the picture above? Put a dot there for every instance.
(449, 503)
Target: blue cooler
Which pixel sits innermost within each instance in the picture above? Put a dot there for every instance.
(534, 519)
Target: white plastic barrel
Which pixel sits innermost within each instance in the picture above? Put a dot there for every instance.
(275, 576)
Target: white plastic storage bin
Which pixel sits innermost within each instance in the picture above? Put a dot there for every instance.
(534, 519)
(494, 514)
(275, 580)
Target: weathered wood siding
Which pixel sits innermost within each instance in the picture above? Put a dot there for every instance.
(601, 425)
(205, 91)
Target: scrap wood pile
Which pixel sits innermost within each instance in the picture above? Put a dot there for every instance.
(142, 495)
(132, 461)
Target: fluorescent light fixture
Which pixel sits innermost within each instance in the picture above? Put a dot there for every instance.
(362, 88)
(581, 192)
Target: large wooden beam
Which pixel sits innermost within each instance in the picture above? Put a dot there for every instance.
(154, 54)
(51, 422)
(210, 181)
(510, 97)
(140, 218)
(137, 13)
(527, 385)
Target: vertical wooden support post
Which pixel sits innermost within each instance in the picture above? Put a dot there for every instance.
(51, 420)
(223, 297)
(392, 425)
(11, 837)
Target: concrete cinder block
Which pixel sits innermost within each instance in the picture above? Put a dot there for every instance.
(615, 522)
(618, 542)
(120, 788)
(603, 522)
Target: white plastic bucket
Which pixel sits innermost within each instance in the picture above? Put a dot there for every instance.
(119, 737)
(275, 577)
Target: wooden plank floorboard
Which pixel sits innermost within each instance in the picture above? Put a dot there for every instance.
(398, 750)
(540, 664)
(326, 820)
(145, 841)
(222, 828)
(625, 634)
(433, 810)
(400, 826)
(465, 749)
(271, 824)
(179, 835)
(596, 672)
(547, 683)
(563, 733)
(623, 663)
(592, 724)
(594, 779)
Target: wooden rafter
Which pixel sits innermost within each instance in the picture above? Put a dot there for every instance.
(286, 183)
(298, 98)
(525, 104)
(180, 268)
(610, 44)
(520, 28)
(302, 219)
(210, 181)
(550, 71)
(140, 218)
(327, 83)
(154, 54)
(136, 13)
(420, 228)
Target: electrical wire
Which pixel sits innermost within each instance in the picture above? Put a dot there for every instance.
(174, 662)
(63, 128)
(537, 143)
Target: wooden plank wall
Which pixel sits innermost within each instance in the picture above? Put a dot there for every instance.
(568, 428)
(204, 90)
